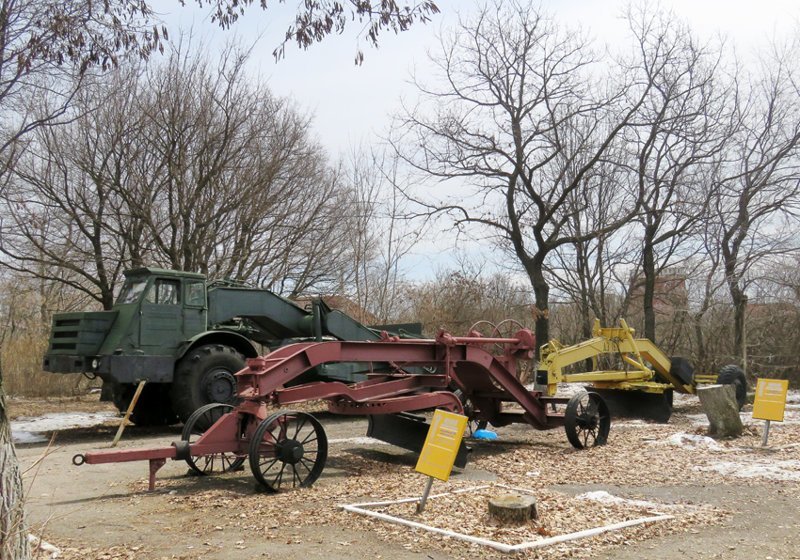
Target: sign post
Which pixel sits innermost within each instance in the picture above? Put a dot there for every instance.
(770, 403)
(440, 449)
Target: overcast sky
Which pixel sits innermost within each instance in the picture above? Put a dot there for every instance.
(351, 102)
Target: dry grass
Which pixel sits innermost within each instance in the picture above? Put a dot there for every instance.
(21, 357)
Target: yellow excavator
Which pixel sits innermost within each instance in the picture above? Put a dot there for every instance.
(632, 374)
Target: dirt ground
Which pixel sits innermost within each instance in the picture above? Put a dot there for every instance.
(106, 512)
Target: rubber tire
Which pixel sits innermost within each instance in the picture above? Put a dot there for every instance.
(153, 407)
(682, 369)
(732, 374)
(188, 393)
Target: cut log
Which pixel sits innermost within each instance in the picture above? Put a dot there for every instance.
(722, 410)
(513, 508)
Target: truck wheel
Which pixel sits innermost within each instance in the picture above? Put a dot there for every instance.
(153, 407)
(733, 375)
(204, 376)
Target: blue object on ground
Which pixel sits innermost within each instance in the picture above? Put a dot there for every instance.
(484, 434)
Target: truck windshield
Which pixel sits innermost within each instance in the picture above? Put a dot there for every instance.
(131, 290)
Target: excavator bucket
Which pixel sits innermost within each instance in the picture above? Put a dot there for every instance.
(638, 404)
(407, 431)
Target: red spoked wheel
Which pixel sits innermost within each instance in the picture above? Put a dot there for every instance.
(195, 426)
(288, 450)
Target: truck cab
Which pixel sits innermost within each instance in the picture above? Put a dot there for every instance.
(155, 312)
(171, 308)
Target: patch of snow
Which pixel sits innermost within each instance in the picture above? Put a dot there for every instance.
(631, 423)
(693, 441)
(793, 397)
(358, 441)
(43, 546)
(776, 470)
(566, 389)
(18, 437)
(31, 430)
(605, 498)
(702, 419)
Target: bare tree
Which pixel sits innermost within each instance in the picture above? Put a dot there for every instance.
(521, 123)
(381, 233)
(61, 201)
(757, 183)
(183, 165)
(586, 271)
(459, 298)
(682, 133)
(13, 533)
(229, 162)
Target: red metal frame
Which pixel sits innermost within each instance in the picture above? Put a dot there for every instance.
(485, 378)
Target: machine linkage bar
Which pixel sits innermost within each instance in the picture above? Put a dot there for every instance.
(358, 392)
(407, 403)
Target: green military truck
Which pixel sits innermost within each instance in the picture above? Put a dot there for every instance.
(187, 337)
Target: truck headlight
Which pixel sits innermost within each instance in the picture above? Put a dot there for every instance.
(95, 363)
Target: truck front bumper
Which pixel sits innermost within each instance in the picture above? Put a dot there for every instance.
(115, 368)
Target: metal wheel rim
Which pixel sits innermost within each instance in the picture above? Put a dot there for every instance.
(194, 427)
(219, 385)
(269, 462)
(587, 420)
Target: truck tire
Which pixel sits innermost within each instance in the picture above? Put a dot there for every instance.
(733, 375)
(153, 407)
(204, 376)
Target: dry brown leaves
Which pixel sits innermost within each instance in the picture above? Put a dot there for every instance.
(637, 455)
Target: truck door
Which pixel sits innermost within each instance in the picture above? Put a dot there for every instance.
(161, 321)
(194, 307)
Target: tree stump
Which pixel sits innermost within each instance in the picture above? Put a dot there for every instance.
(513, 508)
(722, 410)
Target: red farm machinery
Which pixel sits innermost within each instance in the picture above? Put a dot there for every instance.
(474, 374)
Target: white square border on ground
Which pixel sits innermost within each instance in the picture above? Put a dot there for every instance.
(361, 509)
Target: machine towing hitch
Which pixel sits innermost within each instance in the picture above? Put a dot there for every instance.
(288, 449)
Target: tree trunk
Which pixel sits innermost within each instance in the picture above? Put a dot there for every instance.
(701, 360)
(13, 533)
(541, 292)
(649, 270)
(739, 315)
(739, 299)
(719, 404)
(583, 278)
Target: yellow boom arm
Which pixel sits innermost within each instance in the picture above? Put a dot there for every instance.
(635, 353)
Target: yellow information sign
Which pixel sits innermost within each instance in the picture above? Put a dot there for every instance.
(441, 445)
(770, 400)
